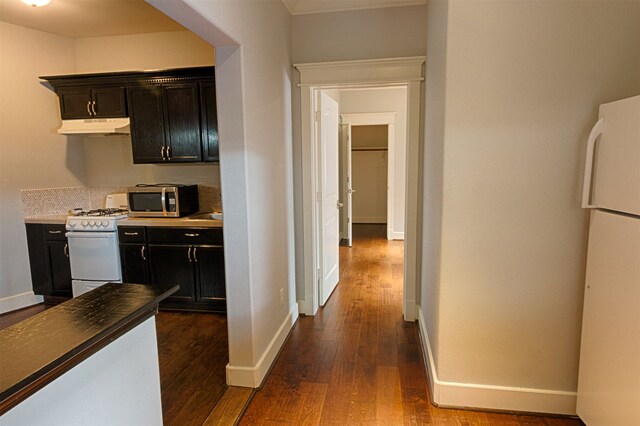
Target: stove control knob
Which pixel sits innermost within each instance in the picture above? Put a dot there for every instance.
(92, 223)
(104, 223)
(84, 223)
(72, 224)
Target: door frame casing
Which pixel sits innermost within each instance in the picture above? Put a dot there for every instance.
(368, 73)
(388, 119)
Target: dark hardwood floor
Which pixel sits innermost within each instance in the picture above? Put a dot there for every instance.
(357, 361)
(193, 353)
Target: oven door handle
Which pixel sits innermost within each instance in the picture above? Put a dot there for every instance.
(84, 234)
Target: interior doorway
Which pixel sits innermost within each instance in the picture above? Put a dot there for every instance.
(364, 182)
(358, 75)
(370, 171)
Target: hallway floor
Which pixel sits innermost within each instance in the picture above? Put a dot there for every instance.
(357, 361)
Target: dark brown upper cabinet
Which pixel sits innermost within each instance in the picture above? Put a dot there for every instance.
(173, 112)
(209, 121)
(87, 102)
(165, 123)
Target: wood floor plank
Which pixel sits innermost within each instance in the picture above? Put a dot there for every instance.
(229, 407)
(389, 409)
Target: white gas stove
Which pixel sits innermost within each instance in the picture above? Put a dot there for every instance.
(93, 247)
(99, 220)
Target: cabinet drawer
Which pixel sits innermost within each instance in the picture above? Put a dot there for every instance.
(54, 232)
(185, 235)
(132, 234)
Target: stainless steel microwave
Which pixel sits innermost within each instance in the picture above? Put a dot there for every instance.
(162, 200)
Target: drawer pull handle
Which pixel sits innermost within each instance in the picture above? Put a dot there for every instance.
(191, 235)
(55, 232)
(131, 233)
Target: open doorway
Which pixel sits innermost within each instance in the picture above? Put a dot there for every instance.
(359, 75)
(364, 184)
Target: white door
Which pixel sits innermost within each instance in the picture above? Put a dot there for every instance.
(609, 377)
(346, 184)
(329, 234)
(617, 164)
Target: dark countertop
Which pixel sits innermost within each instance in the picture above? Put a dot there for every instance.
(39, 349)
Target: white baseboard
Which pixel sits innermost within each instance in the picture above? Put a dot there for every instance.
(252, 377)
(19, 301)
(491, 397)
(369, 219)
(398, 235)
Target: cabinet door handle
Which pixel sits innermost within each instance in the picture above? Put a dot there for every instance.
(55, 232)
(142, 253)
(89, 108)
(195, 257)
(162, 152)
(191, 235)
(168, 153)
(66, 250)
(93, 108)
(131, 233)
(189, 255)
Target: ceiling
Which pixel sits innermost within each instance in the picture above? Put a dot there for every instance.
(99, 18)
(89, 18)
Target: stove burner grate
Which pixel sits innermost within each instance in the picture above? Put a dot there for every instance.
(100, 212)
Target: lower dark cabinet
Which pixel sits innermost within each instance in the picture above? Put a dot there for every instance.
(49, 259)
(173, 265)
(190, 257)
(134, 263)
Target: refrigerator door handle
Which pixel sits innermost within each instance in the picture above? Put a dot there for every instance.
(588, 165)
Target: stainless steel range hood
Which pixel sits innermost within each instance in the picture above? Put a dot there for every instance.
(95, 127)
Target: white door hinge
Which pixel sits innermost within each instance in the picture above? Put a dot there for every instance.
(318, 196)
(317, 115)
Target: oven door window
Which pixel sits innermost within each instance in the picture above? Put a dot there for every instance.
(145, 202)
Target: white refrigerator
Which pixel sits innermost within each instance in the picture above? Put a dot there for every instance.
(609, 377)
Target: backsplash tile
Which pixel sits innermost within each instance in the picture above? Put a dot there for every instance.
(59, 201)
(210, 198)
(53, 201)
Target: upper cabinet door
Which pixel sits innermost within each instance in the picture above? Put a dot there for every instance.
(209, 121)
(108, 102)
(147, 123)
(182, 122)
(87, 102)
(75, 102)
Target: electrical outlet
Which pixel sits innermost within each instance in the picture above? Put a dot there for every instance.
(281, 296)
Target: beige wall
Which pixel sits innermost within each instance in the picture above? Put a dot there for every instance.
(522, 84)
(176, 49)
(363, 34)
(433, 149)
(32, 154)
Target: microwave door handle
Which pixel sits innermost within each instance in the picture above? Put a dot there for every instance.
(163, 199)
